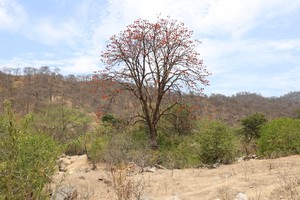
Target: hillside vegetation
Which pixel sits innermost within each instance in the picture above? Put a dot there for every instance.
(34, 88)
(72, 115)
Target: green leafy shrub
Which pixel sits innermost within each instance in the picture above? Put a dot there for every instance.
(27, 159)
(280, 137)
(110, 119)
(216, 142)
(174, 130)
(65, 125)
(179, 153)
(97, 149)
(110, 144)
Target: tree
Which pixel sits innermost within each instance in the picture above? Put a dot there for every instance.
(252, 125)
(151, 60)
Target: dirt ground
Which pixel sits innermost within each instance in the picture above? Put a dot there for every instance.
(258, 179)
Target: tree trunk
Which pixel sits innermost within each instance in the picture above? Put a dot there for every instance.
(153, 136)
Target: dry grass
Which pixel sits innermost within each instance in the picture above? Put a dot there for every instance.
(258, 179)
(289, 186)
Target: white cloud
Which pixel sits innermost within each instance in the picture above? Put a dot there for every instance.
(12, 15)
(83, 64)
(60, 31)
(208, 17)
(76, 64)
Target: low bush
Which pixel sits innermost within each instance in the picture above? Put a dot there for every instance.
(210, 143)
(112, 145)
(280, 137)
(130, 145)
(216, 142)
(64, 124)
(177, 151)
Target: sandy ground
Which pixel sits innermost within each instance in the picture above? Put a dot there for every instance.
(258, 179)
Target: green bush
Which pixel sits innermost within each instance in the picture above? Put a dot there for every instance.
(110, 119)
(280, 137)
(216, 142)
(179, 153)
(98, 148)
(64, 124)
(27, 159)
(110, 144)
(210, 143)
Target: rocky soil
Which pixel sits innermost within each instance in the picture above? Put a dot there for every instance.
(253, 180)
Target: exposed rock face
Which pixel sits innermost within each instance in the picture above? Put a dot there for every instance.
(64, 193)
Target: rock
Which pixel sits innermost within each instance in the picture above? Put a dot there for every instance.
(172, 198)
(241, 159)
(64, 193)
(241, 196)
(146, 198)
(207, 166)
(63, 155)
(150, 169)
(160, 167)
(216, 165)
(62, 166)
(63, 163)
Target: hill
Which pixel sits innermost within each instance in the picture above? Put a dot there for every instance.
(36, 87)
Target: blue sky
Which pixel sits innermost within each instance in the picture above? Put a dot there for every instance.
(248, 46)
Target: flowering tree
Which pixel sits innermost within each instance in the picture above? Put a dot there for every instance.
(151, 60)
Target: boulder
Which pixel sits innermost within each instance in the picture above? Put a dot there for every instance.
(150, 169)
(241, 196)
(64, 192)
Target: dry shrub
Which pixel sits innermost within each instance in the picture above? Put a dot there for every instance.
(289, 187)
(126, 188)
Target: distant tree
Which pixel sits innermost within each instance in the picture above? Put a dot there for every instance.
(151, 60)
(29, 71)
(252, 125)
(297, 114)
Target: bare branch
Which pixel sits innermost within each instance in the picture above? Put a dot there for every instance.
(150, 59)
